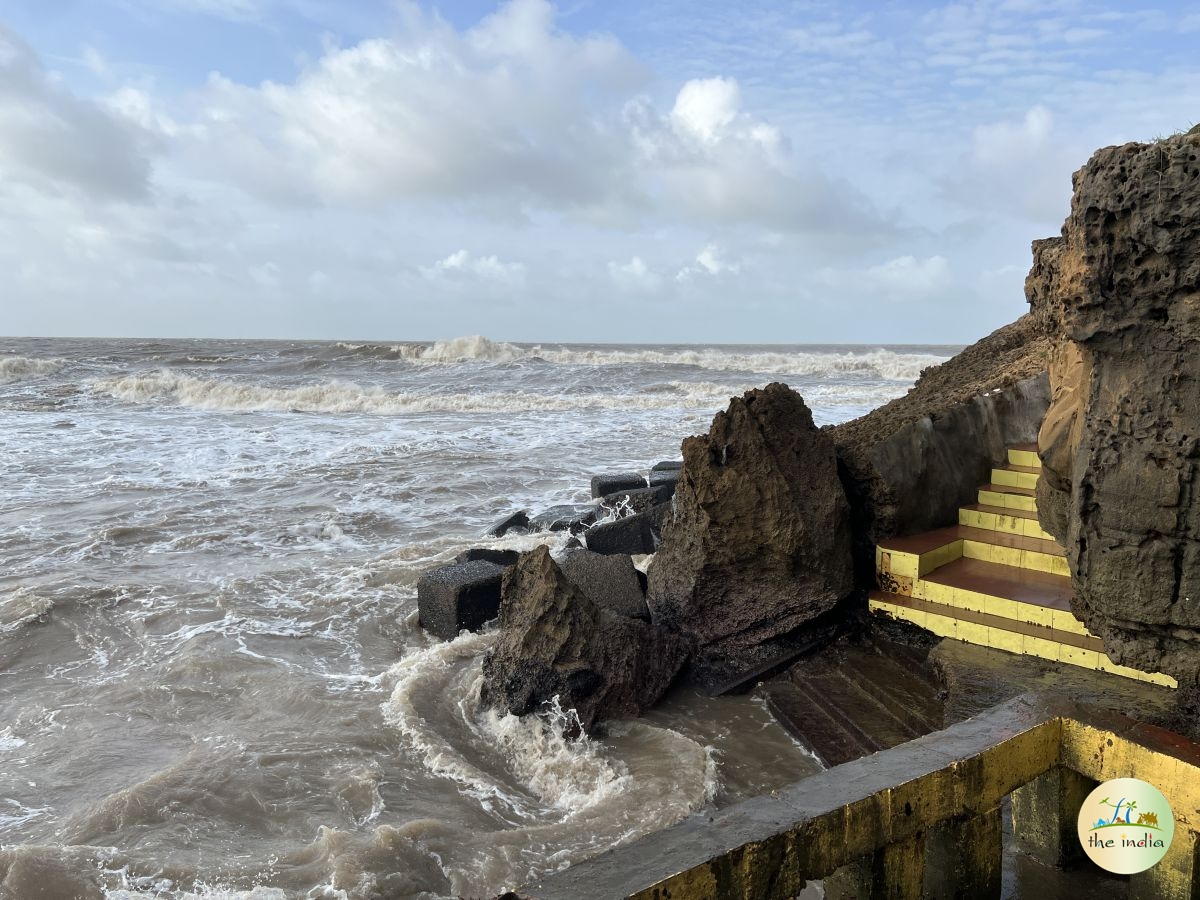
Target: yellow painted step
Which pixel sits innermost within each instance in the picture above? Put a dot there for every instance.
(1010, 641)
(1008, 497)
(911, 558)
(1024, 456)
(1004, 519)
(1018, 557)
(1021, 595)
(1016, 476)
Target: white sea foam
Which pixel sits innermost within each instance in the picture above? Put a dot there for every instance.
(571, 777)
(14, 367)
(348, 397)
(877, 363)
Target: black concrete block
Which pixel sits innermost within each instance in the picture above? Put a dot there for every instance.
(458, 596)
(670, 465)
(517, 521)
(499, 557)
(631, 535)
(667, 478)
(573, 517)
(609, 581)
(603, 485)
(639, 499)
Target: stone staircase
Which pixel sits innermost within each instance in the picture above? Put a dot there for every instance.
(995, 579)
(856, 699)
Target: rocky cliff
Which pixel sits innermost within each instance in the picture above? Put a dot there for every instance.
(1119, 292)
(759, 542)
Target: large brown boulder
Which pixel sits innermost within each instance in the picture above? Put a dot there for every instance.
(1120, 292)
(759, 543)
(555, 642)
(909, 465)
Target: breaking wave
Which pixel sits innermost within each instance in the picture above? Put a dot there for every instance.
(14, 367)
(561, 800)
(348, 397)
(879, 363)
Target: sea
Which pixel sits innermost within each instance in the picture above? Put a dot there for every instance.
(213, 683)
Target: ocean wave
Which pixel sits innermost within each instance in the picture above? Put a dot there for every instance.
(878, 363)
(23, 607)
(14, 367)
(348, 397)
(556, 801)
(886, 364)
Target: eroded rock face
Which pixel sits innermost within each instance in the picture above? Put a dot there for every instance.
(909, 465)
(1120, 292)
(554, 641)
(760, 540)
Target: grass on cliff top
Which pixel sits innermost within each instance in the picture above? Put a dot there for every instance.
(1191, 128)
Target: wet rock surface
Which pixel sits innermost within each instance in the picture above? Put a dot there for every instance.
(556, 642)
(909, 465)
(759, 542)
(1119, 292)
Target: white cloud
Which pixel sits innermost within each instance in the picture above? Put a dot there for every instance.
(265, 275)
(904, 278)
(634, 275)
(511, 108)
(461, 264)
(1020, 167)
(705, 107)
(517, 118)
(53, 140)
(94, 61)
(708, 262)
(907, 275)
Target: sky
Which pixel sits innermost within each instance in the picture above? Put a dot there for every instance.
(656, 171)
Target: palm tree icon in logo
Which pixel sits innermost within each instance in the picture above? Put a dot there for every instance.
(1128, 806)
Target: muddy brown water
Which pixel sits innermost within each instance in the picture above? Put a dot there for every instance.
(211, 679)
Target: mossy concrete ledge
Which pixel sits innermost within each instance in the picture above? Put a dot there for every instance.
(885, 822)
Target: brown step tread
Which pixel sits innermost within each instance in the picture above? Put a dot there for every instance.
(939, 537)
(1027, 448)
(1007, 582)
(1008, 489)
(923, 542)
(1001, 511)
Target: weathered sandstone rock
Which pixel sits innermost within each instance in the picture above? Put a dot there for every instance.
(1120, 293)
(554, 641)
(909, 465)
(759, 542)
